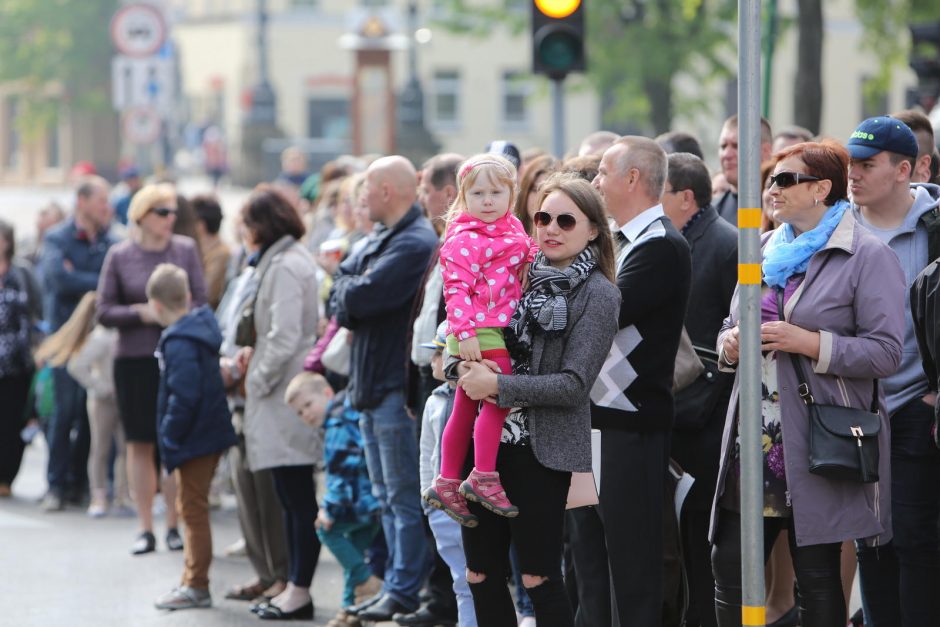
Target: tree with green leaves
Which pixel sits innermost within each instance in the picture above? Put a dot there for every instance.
(52, 50)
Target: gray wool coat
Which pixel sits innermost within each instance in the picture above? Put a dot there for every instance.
(286, 326)
(563, 371)
(853, 295)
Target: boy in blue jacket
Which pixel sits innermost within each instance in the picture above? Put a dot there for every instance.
(194, 426)
(349, 518)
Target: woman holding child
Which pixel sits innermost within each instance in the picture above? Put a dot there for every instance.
(285, 323)
(559, 337)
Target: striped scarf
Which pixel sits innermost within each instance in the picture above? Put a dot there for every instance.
(544, 306)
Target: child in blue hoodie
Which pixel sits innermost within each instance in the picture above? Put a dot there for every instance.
(194, 426)
(349, 518)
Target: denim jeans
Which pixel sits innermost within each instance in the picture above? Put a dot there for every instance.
(392, 457)
(900, 581)
(450, 547)
(348, 542)
(66, 473)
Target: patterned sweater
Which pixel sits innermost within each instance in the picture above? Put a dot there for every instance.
(348, 495)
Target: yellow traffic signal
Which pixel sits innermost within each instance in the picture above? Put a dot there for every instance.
(557, 8)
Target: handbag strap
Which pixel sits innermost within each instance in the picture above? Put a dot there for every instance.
(803, 389)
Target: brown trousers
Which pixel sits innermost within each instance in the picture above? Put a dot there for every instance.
(192, 503)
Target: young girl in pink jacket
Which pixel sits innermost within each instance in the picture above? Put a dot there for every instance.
(483, 257)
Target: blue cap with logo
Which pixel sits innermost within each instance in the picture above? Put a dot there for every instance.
(882, 134)
(440, 338)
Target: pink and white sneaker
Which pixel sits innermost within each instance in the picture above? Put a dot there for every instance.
(444, 494)
(486, 489)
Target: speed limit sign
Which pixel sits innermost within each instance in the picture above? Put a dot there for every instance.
(138, 30)
(141, 125)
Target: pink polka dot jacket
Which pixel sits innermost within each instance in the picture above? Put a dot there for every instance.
(481, 262)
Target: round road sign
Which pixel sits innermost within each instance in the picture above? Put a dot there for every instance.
(141, 125)
(138, 30)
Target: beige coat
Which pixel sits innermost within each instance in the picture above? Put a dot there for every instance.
(286, 324)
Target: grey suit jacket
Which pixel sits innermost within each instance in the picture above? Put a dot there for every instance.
(563, 371)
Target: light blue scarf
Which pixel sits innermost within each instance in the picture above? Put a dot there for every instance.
(786, 255)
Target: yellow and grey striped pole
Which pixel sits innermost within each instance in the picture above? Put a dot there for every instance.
(749, 279)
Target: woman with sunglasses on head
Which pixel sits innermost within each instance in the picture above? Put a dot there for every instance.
(122, 304)
(840, 291)
(559, 336)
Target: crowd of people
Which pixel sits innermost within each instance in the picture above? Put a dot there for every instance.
(439, 344)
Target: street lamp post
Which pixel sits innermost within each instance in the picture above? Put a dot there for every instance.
(261, 121)
(414, 141)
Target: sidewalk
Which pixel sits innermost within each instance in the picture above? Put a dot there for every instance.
(66, 569)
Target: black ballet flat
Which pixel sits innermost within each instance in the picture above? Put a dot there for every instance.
(273, 612)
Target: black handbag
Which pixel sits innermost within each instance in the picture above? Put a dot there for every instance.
(843, 441)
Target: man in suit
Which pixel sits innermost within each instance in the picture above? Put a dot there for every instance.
(701, 407)
(632, 397)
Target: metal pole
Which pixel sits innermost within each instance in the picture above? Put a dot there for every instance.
(770, 39)
(749, 278)
(558, 117)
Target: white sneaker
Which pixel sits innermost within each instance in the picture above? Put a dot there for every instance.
(184, 598)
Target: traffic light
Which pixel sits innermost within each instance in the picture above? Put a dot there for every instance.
(557, 37)
(925, 50)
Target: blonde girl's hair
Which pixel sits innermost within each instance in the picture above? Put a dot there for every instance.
(496, 167)
(149, 197)
(58, 348)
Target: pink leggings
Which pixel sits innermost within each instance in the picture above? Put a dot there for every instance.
(486, 430)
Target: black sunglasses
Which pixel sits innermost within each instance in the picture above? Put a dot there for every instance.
(784, 180)
(162, 211)
(566, 221)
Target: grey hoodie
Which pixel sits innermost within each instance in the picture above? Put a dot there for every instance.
(909, 242)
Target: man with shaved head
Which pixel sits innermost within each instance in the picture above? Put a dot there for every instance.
(372, 297)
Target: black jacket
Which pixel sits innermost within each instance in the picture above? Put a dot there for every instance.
(634, 389)
(372, 296)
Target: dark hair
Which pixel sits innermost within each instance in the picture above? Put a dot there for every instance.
(208, 212)
(586, 167)
(921, 127)
(935, 166)
(443, 169)
(270, 216)
(828, 160)
(677, 141)
(766, 134)
(687, 171)
(589, 201)
(546, 164)
(8, 234)
(185, 217)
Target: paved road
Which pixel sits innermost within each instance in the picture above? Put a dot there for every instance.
(67, 570)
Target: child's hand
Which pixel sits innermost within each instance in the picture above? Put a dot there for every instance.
(323, 521)
(524, 276)
(469, 349)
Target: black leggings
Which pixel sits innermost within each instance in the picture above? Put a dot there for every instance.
(817, 573)
(540, 494)
(297, 493)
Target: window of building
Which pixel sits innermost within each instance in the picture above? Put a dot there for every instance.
(446, 94)
(515, 100)
(328, 118)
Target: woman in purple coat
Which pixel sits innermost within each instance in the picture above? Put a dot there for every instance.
(122, 304)
(843, 293)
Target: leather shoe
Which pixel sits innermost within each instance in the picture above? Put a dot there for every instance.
(273, 612)
(423, 617)
(383, 609)
(359, 607)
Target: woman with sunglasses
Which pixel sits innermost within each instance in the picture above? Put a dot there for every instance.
(122, 304)
(559, 336)
(841, 291)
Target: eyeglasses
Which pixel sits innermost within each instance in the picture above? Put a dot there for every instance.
(163, 211)
(566, 221)
(784, 180)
